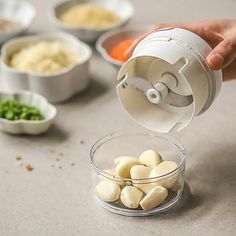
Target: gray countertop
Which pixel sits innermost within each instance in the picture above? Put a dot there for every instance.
(53, 201)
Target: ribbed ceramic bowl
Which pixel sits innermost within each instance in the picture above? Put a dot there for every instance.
(106, 149)
(110, 39)
(123, 8)
(25, 126)
(18, 11)
(56, 87)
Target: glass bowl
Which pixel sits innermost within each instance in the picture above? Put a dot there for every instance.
(107, 149)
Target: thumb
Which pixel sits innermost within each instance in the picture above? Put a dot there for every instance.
(222, 55)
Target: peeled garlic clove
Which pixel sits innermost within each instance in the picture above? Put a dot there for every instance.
(109, 175)
(154, 198)
(164, 168)
(146, 188)
(141, 172)
(179, 183)
(108, 191)
(124, 158)
(150, 158)
(131, 196)
(123, 168)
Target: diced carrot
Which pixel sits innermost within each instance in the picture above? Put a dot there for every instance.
(118, 52)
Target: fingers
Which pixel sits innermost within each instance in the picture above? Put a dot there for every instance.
(194, 27)
(224, 51)
(197, 28)
(222, 55)
(229, 72)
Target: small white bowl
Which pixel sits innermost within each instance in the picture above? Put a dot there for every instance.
(55, 87)
(19, 11)
(110, 39)
(123, 8)
(26, 126)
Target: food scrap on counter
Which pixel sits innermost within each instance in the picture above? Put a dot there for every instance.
(90, 15)
(81, 141)
(59, 162)
(18, 158)
(14, 110)
(29, 167)
(44, 57)
(118, 52)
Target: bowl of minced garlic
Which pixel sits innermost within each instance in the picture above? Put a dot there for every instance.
(54, 65)
(90, 15)
(89, 19)
(44, 57)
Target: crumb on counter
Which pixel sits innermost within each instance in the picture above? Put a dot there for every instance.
(29, 167)
(60, 167)
(18, 158)
(72, 163)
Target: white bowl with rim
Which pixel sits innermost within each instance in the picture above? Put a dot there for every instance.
(28, 126)
(110, 39)
(17, 11)
(56, 87)
(123, 8)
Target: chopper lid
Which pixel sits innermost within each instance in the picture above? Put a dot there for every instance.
(167, 82)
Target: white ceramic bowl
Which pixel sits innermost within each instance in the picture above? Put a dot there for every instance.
(123, 8)
(110, 39)
(25, 126)
(55, 87)
(19, 11)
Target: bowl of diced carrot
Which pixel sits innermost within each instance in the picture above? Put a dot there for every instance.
(113, 45)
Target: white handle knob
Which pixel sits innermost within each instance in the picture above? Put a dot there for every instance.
(157, 94)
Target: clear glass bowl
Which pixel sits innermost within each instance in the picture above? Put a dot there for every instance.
(106, 149)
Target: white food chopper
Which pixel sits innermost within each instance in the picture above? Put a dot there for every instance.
(167, 82)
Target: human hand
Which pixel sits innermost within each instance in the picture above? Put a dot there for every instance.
(219, 34)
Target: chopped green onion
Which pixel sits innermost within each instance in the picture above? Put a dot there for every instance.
(14, 110)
